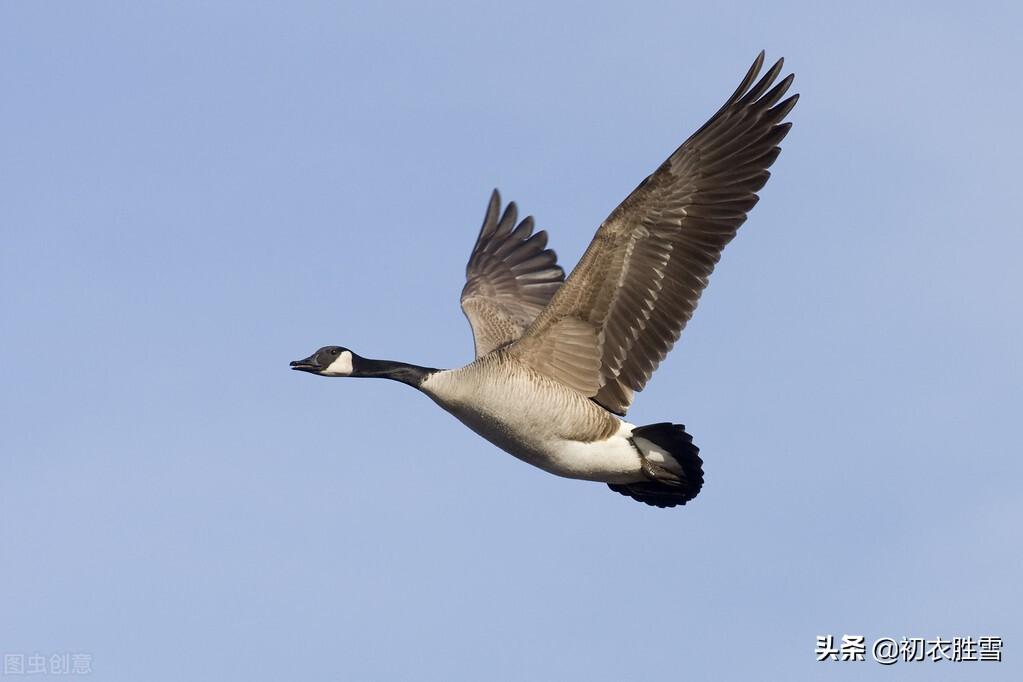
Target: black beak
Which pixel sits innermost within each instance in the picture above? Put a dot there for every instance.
(307, 365)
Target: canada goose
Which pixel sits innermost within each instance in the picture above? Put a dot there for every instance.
(556, 359)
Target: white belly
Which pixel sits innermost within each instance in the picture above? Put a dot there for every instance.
(510, 415)
(614, 460)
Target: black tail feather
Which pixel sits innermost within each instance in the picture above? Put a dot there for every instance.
(668, 493)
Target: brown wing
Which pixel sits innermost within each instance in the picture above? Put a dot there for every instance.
(510, 277)
(627, 301)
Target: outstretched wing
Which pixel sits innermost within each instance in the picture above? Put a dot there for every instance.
(510, 277)
(627, 301)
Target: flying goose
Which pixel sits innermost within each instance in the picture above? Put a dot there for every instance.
(558, 360)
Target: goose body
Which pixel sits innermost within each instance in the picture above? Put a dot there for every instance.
(537, 419)
(558, 360)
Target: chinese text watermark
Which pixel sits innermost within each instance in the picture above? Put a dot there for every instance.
(888, 650)
(64, 663)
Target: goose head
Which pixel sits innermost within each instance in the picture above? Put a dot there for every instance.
(329, 361)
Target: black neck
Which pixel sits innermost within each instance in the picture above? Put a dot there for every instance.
(413, 375)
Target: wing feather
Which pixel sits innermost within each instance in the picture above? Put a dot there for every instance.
(510, 277)
(641, 278)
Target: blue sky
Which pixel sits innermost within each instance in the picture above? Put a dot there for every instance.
(193, 194)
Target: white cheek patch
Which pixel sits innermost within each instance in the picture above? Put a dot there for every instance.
(342, 367)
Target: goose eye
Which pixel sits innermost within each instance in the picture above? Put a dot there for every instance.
(334, 352)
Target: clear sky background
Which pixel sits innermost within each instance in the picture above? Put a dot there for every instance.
(193, 194)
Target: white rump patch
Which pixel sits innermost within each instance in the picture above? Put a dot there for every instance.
(342, 367)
